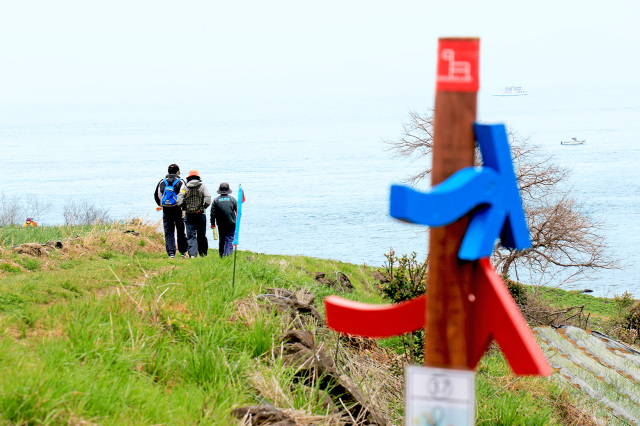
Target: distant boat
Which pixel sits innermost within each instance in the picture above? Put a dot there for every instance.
(573, 141)
(512, 91)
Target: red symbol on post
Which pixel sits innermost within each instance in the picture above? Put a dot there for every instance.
(458, 63)
(494, 315)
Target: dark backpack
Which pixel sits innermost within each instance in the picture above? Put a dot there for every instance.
(193, 200)
(169, 196)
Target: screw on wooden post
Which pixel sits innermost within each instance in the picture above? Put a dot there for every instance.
(449, 279)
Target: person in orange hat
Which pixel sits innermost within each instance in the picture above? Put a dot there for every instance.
(194, 200)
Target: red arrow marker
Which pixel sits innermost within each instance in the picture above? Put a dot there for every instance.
(494, 315)
(362, 319)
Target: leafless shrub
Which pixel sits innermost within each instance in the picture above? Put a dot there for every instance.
(84, 213)
(539, 313)
(35, 207)
(10, 211)
(566, 242)
(14, 210)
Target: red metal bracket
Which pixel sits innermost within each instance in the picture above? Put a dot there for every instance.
(494, 315)
(362, 319)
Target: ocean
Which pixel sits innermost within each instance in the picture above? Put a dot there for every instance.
(317, 175)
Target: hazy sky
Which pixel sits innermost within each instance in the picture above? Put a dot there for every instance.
(140, 52)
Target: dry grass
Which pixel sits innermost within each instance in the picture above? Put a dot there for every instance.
(303, 419)
(281, 263)
(377, 371)
(247, 311)
(364, 360)
(572, 415)
(128, 239)
(270, 387)
(537, 387)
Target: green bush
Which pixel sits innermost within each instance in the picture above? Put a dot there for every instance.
(406, 279)
(518, 291)
(625, 324)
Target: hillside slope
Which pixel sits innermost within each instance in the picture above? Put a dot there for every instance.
(104, 329)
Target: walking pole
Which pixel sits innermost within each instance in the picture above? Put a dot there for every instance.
(235, 239)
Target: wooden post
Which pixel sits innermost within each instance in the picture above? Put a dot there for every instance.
(467, 304)
(449, 281)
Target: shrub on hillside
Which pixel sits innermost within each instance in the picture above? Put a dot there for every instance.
(406, 279)
(625, 325)
(84, 213)
(518, 290)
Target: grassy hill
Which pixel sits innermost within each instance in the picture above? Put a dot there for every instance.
(104, 329)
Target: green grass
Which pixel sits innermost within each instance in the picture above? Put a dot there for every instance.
(91, 339)
(14, 235)
(6, 267)
(504, 399)
(560, 298)
(121, 335)
(117, 362)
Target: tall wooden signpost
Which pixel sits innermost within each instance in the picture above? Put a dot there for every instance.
(467, 305)
(449, 280)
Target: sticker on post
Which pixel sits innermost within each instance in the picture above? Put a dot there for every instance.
(458, 63)
(438, 396)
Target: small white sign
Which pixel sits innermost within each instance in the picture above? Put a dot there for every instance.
(439, 397)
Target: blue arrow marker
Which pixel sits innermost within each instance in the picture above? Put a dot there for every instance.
(448, 201)
(492, 191)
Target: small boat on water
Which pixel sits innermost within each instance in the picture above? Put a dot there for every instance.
(512, 91)
(573, 141)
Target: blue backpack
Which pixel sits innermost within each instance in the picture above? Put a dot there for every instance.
(169, 196)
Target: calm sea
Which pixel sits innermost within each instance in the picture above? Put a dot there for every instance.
(317, 176)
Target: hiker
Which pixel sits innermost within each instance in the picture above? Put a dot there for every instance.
(223, 213)
(194, 198)
(166, 196)
(30, 222)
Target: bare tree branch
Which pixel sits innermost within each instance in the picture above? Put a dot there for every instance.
(416, 141)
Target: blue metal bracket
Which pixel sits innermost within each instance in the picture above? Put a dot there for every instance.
(490, 192)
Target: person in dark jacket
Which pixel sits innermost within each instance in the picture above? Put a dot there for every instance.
(194, 198)
(223, 213)
(171, 212)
